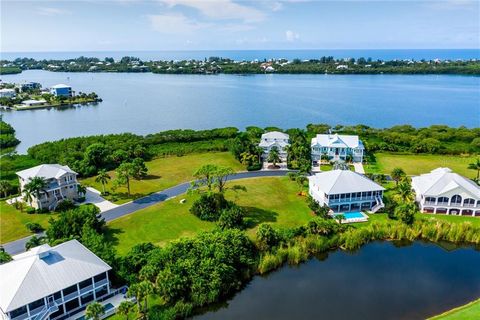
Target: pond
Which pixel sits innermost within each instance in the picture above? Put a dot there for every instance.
(149, 103)
(380, 281)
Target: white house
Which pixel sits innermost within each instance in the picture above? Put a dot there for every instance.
(346, 191)
(61, 90)
(61, 184)
(274, 139)
(52, 282)
(7, 93)
(444, 192)
(33, 103)
(337, 147)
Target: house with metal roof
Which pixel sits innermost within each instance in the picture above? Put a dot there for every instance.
(443, 191)
(346, 191)
(61, 90)
(336, 147)
(276, 139)
(52, 282)
(61, 184)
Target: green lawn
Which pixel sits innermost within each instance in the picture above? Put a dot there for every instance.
(12, 222)
(271, 200)
(470, 311)
(416, 164)
(167, 172)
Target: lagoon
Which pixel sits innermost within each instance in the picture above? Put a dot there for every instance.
(148, 103)
(380, 281)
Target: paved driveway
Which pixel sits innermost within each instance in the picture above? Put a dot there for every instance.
(118, 211)
(93, 196)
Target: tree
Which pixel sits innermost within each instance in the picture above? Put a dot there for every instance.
(124, 173)
(35, 186)
(141, 291)
(139, 168)
(221, 177)
(397, 174)
(339, 218)
(267, 237)
(94, 311)
(81, 190)
(205, 175)
(95, 155)
(321, 211)
(4, 257)
(404, 192)
(406, 212)
(231, 218)
(103, 178)
(301, 179)
(475, 166)
(124, 308)
(5, 187)
(34, 241)
(28, 196)
(274, 156)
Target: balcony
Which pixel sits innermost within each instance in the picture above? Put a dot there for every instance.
(101, 283)
(70, 296)
(86, 289)
(21, 317)
(36, 310)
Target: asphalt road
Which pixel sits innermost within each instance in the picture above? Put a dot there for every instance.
(18, 246)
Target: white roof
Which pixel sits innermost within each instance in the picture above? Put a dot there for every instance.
(46, 171)
(44, 270)
(61, 85)
(31, 101)
(343, 181)
(442, 180)
(337, 141)
(7, 90)
(274, 137)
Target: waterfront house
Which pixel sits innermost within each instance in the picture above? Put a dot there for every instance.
(336, 147)
(346, 191)
(61, 184)
(274, 139)
(29, 86)
(52, 282)
(445, 192)
(61, 90)
(33, 103)
(7, 93)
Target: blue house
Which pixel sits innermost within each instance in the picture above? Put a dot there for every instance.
(61, 90)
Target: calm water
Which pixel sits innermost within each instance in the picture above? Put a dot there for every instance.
(378, 282)
(148, 103)
(383, 54)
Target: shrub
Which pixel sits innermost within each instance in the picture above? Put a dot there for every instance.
(269, 262)
(231, 218)
(254, 167)
(267, 237)
(209, 206)
(34, 227)
(64, 205)
(30, 210)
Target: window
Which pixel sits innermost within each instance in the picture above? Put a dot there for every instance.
(456, 199)
(100, 292)
(18, 312)
(85, 283)
(100, 277)
(36, 304)
(69, 290)
(469, 202)
(87, 298)
(429, 199)
(58, 312)
(442, 200)
(72, 304)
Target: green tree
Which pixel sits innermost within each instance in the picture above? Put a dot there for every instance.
(4, 257)
(103, 177)
(35, 186)
(274, 156)
(300, 180)
(205, 176)
(124, 173)
(34, 241)
(5, 187)
(406, 212)
(141, 291)
(81, 190)
(94, 311)
(125, 307)
(139, 168)
(397, 174)
(231, 218)
(221, 176)
(475, 166)
(267, 237)
(404, 192)
(339, 218)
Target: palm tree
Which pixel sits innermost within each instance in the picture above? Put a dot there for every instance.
(81, 190)
(397, 174)
(475, 166)
(125, 307)
(404, 192)
(274, 156)
(339, 218)
(34, 241)
(141, 291)
(35, 186)
(300, 179)
(28, 196)
(94, 311)
(103, 178)
(406, 212)
(5, 187)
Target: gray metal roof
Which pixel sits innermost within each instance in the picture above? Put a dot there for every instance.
(442, 180)
(343, 181)
(44, 270)
(46, 171)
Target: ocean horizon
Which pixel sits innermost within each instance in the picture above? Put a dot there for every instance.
(382, 54)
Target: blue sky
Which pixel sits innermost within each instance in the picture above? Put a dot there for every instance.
(91, 25)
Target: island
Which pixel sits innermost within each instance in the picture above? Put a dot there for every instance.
(216, 65)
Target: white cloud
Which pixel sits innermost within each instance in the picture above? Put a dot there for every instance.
(174, 23)
(47, 11)
(276, 6)
(220, 9)
(291, 36)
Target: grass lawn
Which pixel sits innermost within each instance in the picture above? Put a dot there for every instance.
(12, 222)
(382, 217)
(167, 172)
(470, 311)
(414, 164)
(271, 200)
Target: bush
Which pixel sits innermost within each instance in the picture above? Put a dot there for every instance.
(30, 210)
(34, 227)
(254, 167)
(231, 218)
(42, 210)
(209, 206)
(267, 237)
(65, 205)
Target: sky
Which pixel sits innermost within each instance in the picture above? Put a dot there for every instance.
(107, 25)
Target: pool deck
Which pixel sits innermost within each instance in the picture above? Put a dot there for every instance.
(364, 217)
(115, 301)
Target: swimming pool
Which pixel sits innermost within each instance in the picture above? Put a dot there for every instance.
(350, 217)
(353, 215)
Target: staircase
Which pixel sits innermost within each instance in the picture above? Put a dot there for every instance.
(46, 311)
(379, 205)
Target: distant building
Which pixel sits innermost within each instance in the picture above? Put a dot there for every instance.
(61, 181)
(342, 67)
(337, 147)
(61, 90)
(52, 282)
(29, 86)
(444, 192)
(346, 191)
(274, 139)
(7, 93)
(32, 103)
